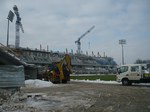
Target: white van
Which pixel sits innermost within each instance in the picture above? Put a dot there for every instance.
(133, 73)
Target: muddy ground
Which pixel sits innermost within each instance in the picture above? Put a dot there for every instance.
(79, 97)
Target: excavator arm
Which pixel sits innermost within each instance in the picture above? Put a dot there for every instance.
(66, 60)
(59, 71)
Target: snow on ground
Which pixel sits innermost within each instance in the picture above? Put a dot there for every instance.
(87, 74)
(97, 81)
(37, 83)
(107, 82)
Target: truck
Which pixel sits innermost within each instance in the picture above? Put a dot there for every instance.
(133, 73)
(58, 71)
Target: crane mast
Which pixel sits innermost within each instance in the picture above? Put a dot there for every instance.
(78, 41)
(18, 26)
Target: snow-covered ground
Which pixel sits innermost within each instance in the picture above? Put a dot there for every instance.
(97, 81)
(37, 83)
(108, 82)
(40, 83)
(87, 74)
(47, 100)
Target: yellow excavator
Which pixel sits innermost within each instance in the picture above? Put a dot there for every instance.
(59, 72)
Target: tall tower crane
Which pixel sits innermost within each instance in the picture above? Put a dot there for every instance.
(78, 41)
(18, 26)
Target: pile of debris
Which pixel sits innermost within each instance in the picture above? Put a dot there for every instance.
(10, 99)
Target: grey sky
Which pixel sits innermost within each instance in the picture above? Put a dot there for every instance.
(58, 23)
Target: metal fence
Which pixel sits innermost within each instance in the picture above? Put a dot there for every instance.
(11, 76)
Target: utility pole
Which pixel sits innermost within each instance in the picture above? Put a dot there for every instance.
(122, 42)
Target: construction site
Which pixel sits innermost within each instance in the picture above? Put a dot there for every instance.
(39, 80)
(35, 61)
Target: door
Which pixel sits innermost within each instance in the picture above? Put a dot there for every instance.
(135, 73)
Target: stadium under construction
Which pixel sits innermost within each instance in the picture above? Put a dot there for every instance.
(81, 63)
(34, 61)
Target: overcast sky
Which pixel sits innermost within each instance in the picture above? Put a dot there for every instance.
(59, 23)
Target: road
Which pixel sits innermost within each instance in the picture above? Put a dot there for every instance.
(84, 97)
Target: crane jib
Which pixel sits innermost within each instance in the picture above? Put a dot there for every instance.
(18, 27)
(78, 41)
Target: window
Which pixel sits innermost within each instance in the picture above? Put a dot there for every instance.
(144, 67)
(134, 68)
(123, 69)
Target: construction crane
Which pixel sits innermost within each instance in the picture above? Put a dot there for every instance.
(78, 41)
(18, 26)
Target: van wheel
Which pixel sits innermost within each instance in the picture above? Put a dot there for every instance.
(126, 82)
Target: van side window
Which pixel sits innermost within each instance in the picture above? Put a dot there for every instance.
(123, 69)
(134, 68)
(144, 67)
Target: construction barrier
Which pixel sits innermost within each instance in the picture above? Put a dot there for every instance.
(11, 76)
